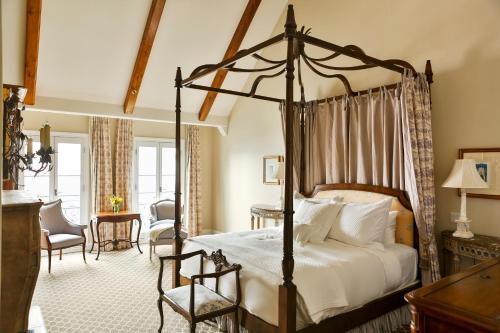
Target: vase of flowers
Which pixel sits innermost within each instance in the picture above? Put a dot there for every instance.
(115, 202)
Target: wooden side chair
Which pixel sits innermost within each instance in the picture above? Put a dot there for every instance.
(57, 232)
(196, 302)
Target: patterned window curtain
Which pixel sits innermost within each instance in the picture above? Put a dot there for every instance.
(193, 163)
(123, 164)
(419, 168)
(101, 172)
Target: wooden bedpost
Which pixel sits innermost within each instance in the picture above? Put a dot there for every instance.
(177, 245)
(288, 291)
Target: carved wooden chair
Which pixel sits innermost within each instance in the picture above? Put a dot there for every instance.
(161, 229)
(57, 232)
(196, 302)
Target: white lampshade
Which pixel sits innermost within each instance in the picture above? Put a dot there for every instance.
(280, 171)
(465, 175)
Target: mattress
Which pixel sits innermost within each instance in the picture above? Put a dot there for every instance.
(331, 277)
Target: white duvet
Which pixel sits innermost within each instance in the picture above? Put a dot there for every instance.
(330, 277)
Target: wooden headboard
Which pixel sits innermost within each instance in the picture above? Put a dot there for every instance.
(406, 229)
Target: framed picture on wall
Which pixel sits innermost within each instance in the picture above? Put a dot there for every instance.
(270, 168)
(488, 167)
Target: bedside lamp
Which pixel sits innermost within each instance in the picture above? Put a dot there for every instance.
(279, 174)
(464, 175)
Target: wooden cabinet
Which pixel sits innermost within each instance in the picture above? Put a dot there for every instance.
(20, 258)
(465, 302)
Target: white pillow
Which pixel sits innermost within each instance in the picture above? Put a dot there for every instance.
(361, 224)
(317, 218)
(390, 228)
(297, 198)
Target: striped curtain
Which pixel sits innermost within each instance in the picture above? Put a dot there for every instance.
(193, 162)
(101, 172)
(123, 164)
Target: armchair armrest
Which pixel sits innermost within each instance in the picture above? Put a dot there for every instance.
(44, 235)
(215, 274)
(181, 257)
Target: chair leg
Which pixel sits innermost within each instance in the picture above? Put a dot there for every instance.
(193, 328)
(154, 249)
(60, 254)
(83, 252)
(236, 323)
(50, 258)
(160, 309)
(150, 250)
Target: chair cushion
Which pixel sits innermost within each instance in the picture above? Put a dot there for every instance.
(65, 240)
(164, 231)
(205, 300)
(166, 221)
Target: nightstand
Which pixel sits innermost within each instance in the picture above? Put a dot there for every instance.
(478, 248)
(265, 212)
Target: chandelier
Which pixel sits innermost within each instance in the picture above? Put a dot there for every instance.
(16, 158)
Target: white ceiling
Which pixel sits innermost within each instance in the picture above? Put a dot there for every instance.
(88, 47)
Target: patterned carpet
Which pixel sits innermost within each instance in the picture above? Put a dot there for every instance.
(115, 294)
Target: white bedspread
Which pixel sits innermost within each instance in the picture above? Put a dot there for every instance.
(329, 277)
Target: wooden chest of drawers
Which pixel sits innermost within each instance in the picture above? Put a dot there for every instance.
(465, 302)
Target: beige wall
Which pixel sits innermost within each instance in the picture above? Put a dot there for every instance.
(459, 36)
(80, 124)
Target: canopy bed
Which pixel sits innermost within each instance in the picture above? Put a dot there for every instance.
(414, 202)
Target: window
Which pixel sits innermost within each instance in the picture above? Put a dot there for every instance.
(66, 180)
(154, 173)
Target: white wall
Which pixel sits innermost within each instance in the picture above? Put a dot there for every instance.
(459, 36)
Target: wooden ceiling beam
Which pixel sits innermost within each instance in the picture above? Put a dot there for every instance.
(141, 61)
(33, 19)
(233, 47)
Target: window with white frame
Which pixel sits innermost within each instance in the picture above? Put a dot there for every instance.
(67, 180)
(154, 173)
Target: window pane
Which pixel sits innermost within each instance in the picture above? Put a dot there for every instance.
(168, 183)
(68, 185)
(147, 184)
(38, 185)
(147, 161)
(68, 158)
(168, 161)
(69, 178)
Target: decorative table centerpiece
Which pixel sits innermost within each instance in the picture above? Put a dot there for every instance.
(115, 202)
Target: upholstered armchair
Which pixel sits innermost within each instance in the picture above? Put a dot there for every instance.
(161, 230)
(58, 232)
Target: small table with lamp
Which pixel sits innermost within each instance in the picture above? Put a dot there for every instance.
(262, 211)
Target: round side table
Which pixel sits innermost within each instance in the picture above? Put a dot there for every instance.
(260, 212)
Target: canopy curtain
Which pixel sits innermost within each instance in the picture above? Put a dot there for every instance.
(124, 147)
(419, 168)
(193, 168)
(380, 138)
(101, 172)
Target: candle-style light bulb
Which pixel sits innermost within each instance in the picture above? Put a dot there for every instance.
(47, 135)
(42, 137)
(30, 146)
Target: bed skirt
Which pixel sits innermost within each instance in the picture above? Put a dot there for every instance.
(386, 323)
